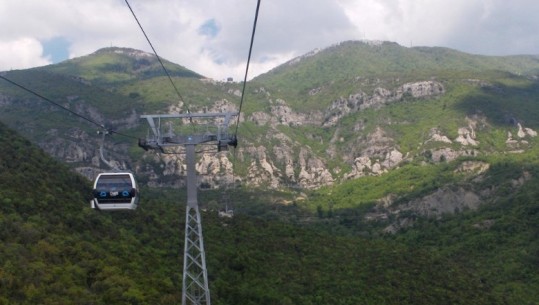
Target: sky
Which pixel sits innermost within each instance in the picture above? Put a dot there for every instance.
(211, 37)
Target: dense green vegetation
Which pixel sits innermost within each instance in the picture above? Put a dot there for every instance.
(500, 241)
(56, 250)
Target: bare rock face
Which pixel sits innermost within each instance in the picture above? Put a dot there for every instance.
(285, 155)
(313, 172)
(285, 115)
(303, 170)
(360, 167)
(421, 89)
(223, 105)
(288, 163)
(277, 159)
(436, 136)
(380, 97)
(262, 171)
(215, 170)
(378, 144)
(260, 118)
(476, 167)
(466, 137)
(392, 158)
(282, 114)
(72, 149)
(378, 154)
(521, 142)
(447, 154)
(364, 166)
(445, 200)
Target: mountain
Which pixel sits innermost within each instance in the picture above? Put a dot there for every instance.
(111, 66)
(340, 67)
(350, 59)
(345, 115)
(378, 174)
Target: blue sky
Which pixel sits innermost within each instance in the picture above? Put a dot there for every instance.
(209, 28)
(56, 48)
(211, 37)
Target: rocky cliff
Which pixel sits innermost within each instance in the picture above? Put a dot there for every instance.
(285, 162)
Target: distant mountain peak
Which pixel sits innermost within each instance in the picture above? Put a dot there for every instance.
(371, 43)
(125, 51)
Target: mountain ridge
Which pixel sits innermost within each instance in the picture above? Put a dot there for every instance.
(118, 65)
(313, 131)
(373, 58)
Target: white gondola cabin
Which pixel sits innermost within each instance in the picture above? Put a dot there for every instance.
(115, 191)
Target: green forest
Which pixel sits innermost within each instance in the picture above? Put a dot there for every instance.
(54, 249)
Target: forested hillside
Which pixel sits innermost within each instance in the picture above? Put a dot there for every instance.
(56, 250)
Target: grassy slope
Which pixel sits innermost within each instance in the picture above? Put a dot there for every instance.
(350, 66)
(112, 66)
(358, 59)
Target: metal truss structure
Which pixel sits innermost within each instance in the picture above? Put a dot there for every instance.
(195, 288)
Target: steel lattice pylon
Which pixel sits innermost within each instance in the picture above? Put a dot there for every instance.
(195, 289)
(195, 275)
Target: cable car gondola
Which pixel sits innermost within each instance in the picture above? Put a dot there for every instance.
(115, 191)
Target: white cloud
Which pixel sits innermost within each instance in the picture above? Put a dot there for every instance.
(490, 27)
(22, 53)
(285, 28)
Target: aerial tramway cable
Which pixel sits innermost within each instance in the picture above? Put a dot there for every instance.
(245, 78)
(247, 67)
(116, 190)
(157, 56)
(101, 126)
(51, 101)
(106, 130)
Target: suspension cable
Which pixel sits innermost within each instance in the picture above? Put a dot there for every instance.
(166, 72)
(101, 126)
(51, 101)
(155, 52)
(247, 67)
(243, 94)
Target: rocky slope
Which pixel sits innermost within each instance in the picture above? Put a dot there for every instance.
(314, 131)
